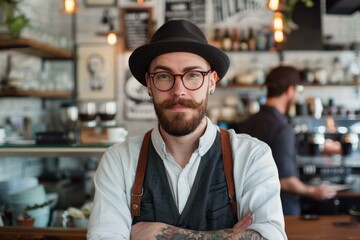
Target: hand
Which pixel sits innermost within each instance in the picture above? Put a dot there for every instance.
(323, 192)
(244, 222)
(147, 230)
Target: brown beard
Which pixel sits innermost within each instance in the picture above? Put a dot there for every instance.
(178, 124)
(289, 103)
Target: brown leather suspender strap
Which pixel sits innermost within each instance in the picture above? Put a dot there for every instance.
(228, 167)
(137, 190)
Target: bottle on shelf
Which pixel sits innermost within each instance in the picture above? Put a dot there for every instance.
(251, 40)
(235, 41)
(216, 41)
(226, 41)
(244, 46)
(270, 42)
(261, 40)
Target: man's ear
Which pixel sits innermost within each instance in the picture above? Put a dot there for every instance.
(290, 90)
(148, 82)
(213, 79)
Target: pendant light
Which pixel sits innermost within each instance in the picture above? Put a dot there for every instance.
(70, 6)
(111, 34)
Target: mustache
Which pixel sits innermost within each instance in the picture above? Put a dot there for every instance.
(179, 101)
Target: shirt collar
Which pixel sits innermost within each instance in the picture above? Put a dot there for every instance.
(205, 142)
(274, 111)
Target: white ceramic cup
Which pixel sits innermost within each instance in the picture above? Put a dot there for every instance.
(117, 134)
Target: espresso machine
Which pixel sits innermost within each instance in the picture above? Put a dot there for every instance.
(328, 149)
(98, 124)
(107, 113)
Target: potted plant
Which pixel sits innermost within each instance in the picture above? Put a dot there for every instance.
(25, 220)
(12, 19)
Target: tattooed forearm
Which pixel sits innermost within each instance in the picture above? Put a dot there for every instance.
(174, 233)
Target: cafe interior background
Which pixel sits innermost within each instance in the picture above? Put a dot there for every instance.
(42, 96)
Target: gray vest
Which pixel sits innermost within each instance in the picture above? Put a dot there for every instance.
(208, 206)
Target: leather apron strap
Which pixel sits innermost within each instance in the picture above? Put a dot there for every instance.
(137, 190)
(228, 167)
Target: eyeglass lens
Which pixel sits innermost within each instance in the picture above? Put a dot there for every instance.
(165, 81)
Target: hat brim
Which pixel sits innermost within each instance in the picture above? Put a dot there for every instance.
(141, 58)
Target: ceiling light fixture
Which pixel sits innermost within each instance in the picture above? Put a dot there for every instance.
(70, 6)
(274, 5)
(111, 34)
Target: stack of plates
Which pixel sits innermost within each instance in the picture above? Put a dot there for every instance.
(15, 185)
(19, 200)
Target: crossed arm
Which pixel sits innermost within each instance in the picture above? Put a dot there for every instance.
(156, 230)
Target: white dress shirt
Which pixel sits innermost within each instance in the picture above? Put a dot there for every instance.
(255, 176)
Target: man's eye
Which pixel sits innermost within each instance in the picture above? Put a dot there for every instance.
(163, 76)
(194, 75)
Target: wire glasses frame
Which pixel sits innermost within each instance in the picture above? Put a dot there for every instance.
(165, 81)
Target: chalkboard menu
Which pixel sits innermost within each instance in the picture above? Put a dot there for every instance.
(137, 25)
(192, 10)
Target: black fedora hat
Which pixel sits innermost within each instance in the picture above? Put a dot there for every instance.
(177, 36)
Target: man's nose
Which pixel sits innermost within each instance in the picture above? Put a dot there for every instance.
(178, 88)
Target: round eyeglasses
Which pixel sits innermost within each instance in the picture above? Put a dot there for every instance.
(192, 80)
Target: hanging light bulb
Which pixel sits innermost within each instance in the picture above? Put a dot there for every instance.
(278, 36)
(111, 38)
(140, 1)
(278, 22)
(274, 4)
(70, 6)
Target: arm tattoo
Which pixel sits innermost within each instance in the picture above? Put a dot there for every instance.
(174, 233)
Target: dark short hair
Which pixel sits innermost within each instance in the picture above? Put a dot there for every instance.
(277, 91)
(282, 76)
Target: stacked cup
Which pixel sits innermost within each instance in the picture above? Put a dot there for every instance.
(33, 200)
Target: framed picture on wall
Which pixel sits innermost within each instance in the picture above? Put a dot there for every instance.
(137, 25)
(100, 3)
(137, 102)
(95, 72)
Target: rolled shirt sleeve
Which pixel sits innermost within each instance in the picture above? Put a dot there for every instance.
(257, 186)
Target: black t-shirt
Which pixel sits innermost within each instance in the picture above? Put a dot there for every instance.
(272, 127)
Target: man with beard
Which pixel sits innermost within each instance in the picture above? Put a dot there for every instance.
(271, 125)
(174, 182)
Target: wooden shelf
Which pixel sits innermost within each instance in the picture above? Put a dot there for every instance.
(35, 48)
(42, 233)
(259, 86)
(34, 93)
(90, 150)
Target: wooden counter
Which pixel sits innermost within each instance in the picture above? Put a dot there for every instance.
(30, 233)
(323, 228)
(296, 229)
